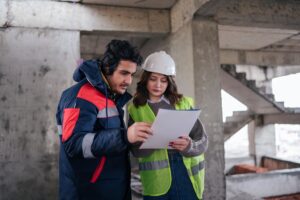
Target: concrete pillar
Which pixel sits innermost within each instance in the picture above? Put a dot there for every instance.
(208, 95)
(251, 138)
(262, 140)
(265, 142)
(35, 66)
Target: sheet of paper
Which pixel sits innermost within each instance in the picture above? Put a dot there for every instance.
(169, 125)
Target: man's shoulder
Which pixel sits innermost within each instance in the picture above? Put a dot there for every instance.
(72, 91)
(89, 93)
(85, 91)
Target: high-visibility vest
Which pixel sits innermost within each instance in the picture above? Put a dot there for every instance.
(155, 169)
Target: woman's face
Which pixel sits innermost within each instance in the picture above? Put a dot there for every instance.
(157, 85)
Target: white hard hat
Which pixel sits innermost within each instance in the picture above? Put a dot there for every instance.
(160, 62)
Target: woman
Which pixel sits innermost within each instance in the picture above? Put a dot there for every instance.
(177, 172)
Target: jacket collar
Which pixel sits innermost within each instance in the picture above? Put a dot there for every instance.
(90, 71)
(162, 98)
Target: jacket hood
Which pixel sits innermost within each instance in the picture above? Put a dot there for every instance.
(90, 71)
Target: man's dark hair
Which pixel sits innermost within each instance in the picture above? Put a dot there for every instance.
(117, 50)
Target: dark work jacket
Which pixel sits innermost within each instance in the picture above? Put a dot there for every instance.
(94, 160)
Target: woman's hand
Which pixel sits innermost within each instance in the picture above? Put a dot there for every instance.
(181, 143)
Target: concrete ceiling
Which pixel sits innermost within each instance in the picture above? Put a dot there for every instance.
(157, 4)
(253, 38)
(231, 36)
(290, 44)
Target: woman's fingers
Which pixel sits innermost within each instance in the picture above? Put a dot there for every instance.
(181, 143)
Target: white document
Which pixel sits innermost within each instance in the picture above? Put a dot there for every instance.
(169, 125)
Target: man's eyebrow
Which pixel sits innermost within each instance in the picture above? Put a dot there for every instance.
(126, 71)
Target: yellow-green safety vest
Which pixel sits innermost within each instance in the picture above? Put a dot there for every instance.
(155, 169)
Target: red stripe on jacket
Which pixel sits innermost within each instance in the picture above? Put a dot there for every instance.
(98, 170)
(92, 95)
(70, 118)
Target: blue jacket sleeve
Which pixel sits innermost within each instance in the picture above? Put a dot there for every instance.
(86, 142)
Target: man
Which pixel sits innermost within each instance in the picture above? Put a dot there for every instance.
(94, 160)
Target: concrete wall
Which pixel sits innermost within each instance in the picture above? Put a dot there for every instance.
(257, 186)
(35, 66)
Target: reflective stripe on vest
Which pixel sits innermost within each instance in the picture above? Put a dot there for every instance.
(154, 165)
(196, 169)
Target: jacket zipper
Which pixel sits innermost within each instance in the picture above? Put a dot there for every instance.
(98, 170)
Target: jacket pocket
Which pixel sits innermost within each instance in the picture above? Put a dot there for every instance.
(98, 170)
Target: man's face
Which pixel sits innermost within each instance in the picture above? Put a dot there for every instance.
(122, 76)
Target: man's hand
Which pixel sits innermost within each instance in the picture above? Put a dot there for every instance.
(139, 132)
(181, 143)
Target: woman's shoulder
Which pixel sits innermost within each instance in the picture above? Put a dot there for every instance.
(130, 104)
(187, 100)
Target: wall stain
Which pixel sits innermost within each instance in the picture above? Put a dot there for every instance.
(44, 130)
(20, 89)
(44, 133)
(1, 77)
(6, 125)
(47, 167)
(47, 107)
(4, 98)
(44, 69)
(23, 141)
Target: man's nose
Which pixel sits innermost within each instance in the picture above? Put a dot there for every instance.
(128, 79)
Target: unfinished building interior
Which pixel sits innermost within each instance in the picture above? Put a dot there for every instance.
(235, 45)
